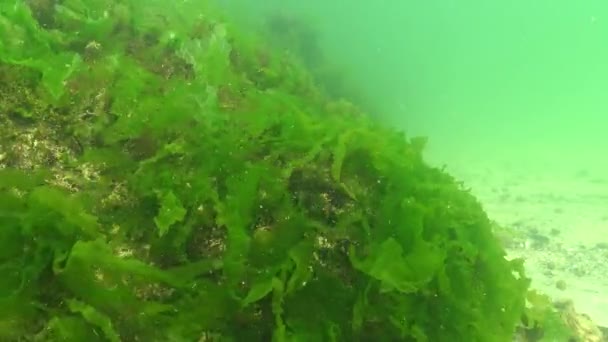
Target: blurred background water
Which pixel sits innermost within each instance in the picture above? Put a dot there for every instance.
(480, 76)
(513, 96)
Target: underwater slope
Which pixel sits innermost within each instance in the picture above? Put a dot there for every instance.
(165, 178)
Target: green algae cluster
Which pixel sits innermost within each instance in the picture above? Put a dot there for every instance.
(164, 177)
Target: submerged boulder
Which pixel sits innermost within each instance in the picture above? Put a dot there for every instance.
(167, 178)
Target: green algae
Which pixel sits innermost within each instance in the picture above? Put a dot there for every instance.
(166, 178)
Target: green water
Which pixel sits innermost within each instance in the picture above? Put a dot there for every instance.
(171, 172)
(487, 77)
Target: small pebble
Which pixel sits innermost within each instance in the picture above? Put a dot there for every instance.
(554, 231)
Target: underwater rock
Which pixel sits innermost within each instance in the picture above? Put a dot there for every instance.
(581, 324)
(205, 190)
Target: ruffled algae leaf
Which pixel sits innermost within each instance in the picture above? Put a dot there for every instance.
(171, 211)
(95, 318)
(396, 270)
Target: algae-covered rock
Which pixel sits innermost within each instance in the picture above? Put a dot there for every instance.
(166, 178)
(580, 323)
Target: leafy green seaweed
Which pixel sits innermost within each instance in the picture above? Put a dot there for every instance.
(179, 180)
